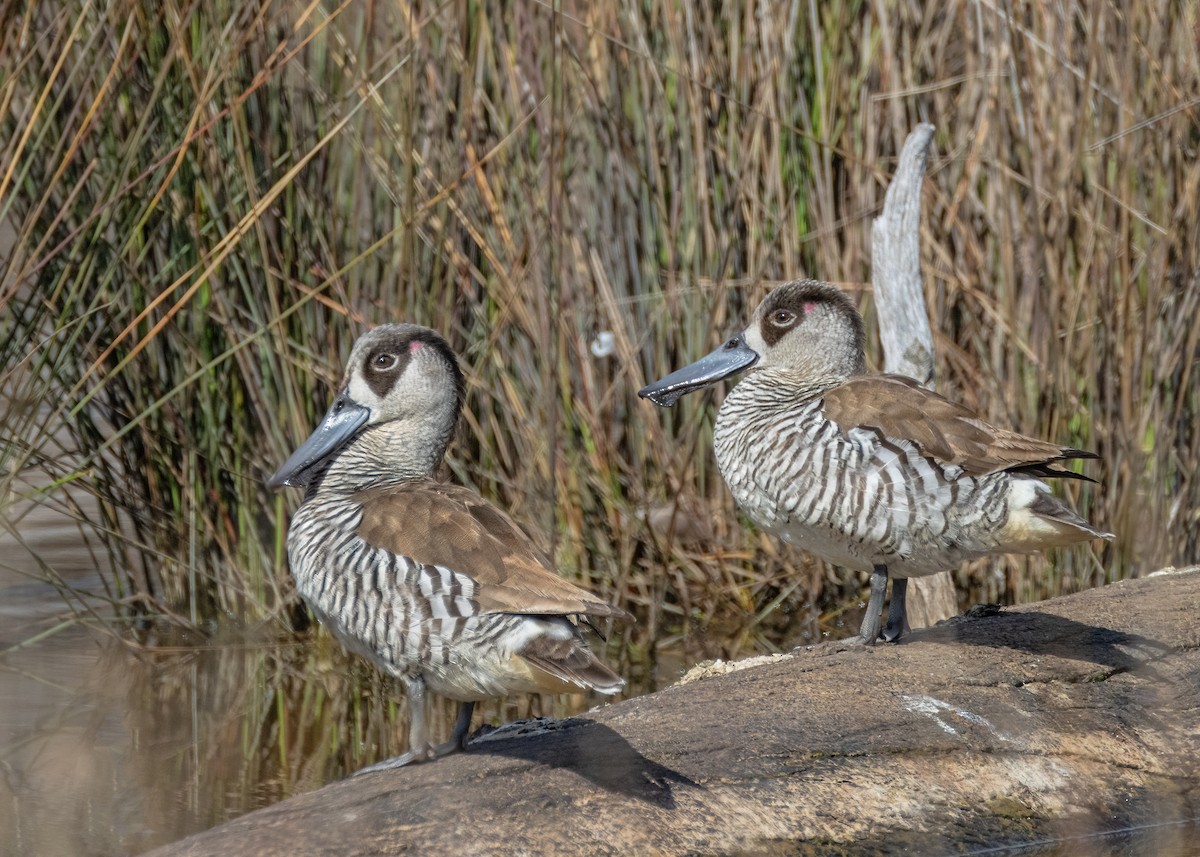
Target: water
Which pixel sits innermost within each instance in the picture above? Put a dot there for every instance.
(1171, 839)
(109, 747)
(69, 783)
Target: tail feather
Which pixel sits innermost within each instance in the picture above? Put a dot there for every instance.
(1049, 508)
(1045, 468)
(571, 661)
(1045, 471)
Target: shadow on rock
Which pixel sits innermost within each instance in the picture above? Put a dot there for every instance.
(592, 750)
(1047, 634)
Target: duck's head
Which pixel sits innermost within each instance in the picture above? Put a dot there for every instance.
(807, 329)
(397, 373)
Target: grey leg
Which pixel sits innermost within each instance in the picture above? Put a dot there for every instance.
(897, 622)
(418, 739)
(874, 617)
(419, 748)
(462, 726)
(418, 731)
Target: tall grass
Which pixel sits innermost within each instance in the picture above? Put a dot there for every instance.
(205, 203)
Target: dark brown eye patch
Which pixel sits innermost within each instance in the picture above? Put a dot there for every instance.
(383, 361)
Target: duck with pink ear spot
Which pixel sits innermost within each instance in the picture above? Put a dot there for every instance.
(870, 472)
(428, 581)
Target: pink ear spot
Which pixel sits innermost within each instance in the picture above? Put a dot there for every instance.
(809, 307)
(415, 346)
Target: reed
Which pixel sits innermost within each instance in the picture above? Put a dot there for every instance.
(202, 204)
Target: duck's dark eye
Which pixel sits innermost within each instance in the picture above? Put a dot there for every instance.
(383, 362)
(782, 317)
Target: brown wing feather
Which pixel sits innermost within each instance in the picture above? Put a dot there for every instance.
(946, 431)
(455, 528)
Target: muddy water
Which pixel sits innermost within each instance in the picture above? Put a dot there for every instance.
(112, 748)
(69, 783)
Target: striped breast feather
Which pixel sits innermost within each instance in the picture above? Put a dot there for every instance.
(451, 527)
(946, 431)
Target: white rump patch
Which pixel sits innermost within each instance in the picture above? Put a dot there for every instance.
(1026, 530)
(531, 628)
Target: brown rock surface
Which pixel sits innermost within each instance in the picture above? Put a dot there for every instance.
(1050, 721)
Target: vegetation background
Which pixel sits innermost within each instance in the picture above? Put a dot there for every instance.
(204, 203)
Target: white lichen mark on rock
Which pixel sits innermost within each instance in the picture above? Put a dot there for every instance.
(934, 708)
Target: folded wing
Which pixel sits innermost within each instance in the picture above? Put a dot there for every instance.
(945, 430)
(454, 528)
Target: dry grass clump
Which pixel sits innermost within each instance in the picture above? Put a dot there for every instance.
(203, 205)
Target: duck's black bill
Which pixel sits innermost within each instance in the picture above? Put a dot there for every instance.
(734, 356)
(343, 419)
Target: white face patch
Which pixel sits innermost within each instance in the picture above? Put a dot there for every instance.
(362, 394)
(754, 340)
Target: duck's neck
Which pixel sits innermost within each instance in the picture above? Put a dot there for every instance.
(385, 454)
(785, 387)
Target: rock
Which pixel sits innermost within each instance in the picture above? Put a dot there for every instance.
(1061, 719)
